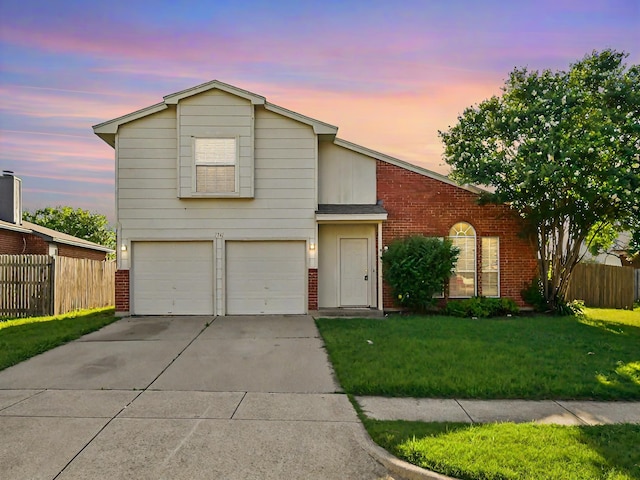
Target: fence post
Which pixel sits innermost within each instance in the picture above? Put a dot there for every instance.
(53, 304)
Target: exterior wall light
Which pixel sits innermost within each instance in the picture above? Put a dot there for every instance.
(123, 247)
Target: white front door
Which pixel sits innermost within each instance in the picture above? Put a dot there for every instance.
(354, 272)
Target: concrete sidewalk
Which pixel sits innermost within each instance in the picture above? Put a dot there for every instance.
(484, 411)
(183, 398)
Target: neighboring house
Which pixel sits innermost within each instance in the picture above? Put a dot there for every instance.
(227, 204)
(18, 237)
(616, 256)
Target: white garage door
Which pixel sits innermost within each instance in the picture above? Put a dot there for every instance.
(265, 277)
(173, 278)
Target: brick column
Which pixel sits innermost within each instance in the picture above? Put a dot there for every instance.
(122, 291)
(313, 289)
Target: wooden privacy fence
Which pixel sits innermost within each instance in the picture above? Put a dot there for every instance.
(81, 283)
(34, 285)
(25, 285)
(602, 286)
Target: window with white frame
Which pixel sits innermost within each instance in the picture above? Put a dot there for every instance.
(490, 266)
(216, 162)
(463, 281)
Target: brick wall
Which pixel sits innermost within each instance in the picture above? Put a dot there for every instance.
(313, 289)
(79, 252)
(36, 245)
(421, 205)
(122, 291)
(29, 244)
(12, 243)
(17, 243)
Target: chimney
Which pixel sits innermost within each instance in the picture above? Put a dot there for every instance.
(10, 198)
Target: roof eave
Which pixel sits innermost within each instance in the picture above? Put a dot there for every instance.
(107, 130)
(81, 245)
(14, 227)
(319, 128)
(49, 235)
(350, 217)
(174, 98)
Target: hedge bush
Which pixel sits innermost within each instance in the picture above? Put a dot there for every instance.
(481, 307)
(416, 268)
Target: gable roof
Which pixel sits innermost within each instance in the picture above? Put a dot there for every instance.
(54, 236)
(107, 130)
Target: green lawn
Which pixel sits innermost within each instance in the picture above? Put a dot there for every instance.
(23, 338)
(597, 357)
(515, 452)
(530, 357)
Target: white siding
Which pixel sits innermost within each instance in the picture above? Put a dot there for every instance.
(345, 176)
(156, 161)
(215, 113)
(284, 200)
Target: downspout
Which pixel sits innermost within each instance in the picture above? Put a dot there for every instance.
(379, 261)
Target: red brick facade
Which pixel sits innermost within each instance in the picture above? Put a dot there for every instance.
(122, 291)
(79, 252)
(418, 204)
(313, 289)
(12, 243)
(18, 243)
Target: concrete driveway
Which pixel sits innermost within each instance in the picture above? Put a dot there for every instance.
(183, 397)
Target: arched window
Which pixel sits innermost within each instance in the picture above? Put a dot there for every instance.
(463, 281)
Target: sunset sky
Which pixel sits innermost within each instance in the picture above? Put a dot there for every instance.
(388, 74)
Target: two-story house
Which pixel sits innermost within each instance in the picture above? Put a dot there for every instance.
(227, 204)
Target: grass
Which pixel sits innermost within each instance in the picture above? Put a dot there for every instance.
(516, 452)
(596, 357)
(24, 338)
(537, 357)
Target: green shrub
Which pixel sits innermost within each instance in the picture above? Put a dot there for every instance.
(416, 268)
(574, 307)
(534, 296)
(481, 307)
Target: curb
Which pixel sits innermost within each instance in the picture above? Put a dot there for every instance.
(394, 465)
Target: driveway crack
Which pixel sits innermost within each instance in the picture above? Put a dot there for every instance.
(238, 406)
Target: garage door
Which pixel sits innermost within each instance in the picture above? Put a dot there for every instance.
(265, 277)
(173, 278)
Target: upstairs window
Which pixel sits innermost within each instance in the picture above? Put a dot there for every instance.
(216, 164)
(463, 281)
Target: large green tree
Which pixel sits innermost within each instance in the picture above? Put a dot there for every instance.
(77, 222)
(562, 148)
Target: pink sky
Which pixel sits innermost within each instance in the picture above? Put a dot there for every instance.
(388, 76)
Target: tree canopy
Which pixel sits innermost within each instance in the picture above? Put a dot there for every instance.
(562, 148)
(77, 222)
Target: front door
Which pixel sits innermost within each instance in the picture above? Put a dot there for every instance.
(354, 272)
